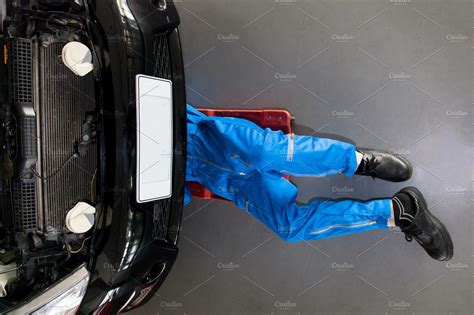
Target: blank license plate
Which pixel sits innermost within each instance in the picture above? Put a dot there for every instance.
(154, 138)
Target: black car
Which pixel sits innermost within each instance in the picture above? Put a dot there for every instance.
(72, 138)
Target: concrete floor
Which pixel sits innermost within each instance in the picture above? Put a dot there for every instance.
(394, 75)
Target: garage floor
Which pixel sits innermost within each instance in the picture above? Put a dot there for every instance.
(394, 75)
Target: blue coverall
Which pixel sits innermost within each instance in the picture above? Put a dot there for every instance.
(237, 160)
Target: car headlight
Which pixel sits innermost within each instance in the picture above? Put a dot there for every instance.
(66, 303)
(63, 298)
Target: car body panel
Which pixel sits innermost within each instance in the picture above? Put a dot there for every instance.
(126, 254)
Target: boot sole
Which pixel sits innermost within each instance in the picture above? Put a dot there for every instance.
(435, 221)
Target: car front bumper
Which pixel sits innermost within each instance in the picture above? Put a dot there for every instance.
(134, 245)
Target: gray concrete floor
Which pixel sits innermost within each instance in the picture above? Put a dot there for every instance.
(393, 74)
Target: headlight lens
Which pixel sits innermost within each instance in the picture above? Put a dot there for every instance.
(66, 303)
(64, 297)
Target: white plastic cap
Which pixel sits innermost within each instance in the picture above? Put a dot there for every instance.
(6, 277)
(77, 57)
(80, 218)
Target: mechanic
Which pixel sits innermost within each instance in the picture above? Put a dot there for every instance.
(237, 160)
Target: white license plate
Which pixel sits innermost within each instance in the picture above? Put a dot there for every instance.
(154, 138)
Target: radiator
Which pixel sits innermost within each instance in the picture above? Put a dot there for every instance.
(64, 101)
(50, 105)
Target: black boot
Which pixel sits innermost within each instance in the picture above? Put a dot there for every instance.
(417, 222)
(384, 165)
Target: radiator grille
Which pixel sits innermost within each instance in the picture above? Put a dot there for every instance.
(20, 61)
(162, 69)
(161, 55)
(161, 218)
(20, 69)
(28, 137)
(66, 99)
(24, 200)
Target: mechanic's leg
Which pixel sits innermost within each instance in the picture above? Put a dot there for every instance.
(291, 154)
(306, 155)
(271, 199)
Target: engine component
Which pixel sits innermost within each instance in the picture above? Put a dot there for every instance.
(80, 218)
(77, 57)
(66, 104)
(7, 275)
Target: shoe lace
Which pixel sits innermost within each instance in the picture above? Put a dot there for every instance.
(370, 164)
(411, 231)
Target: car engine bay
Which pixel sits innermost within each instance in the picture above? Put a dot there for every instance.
(49, 140)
